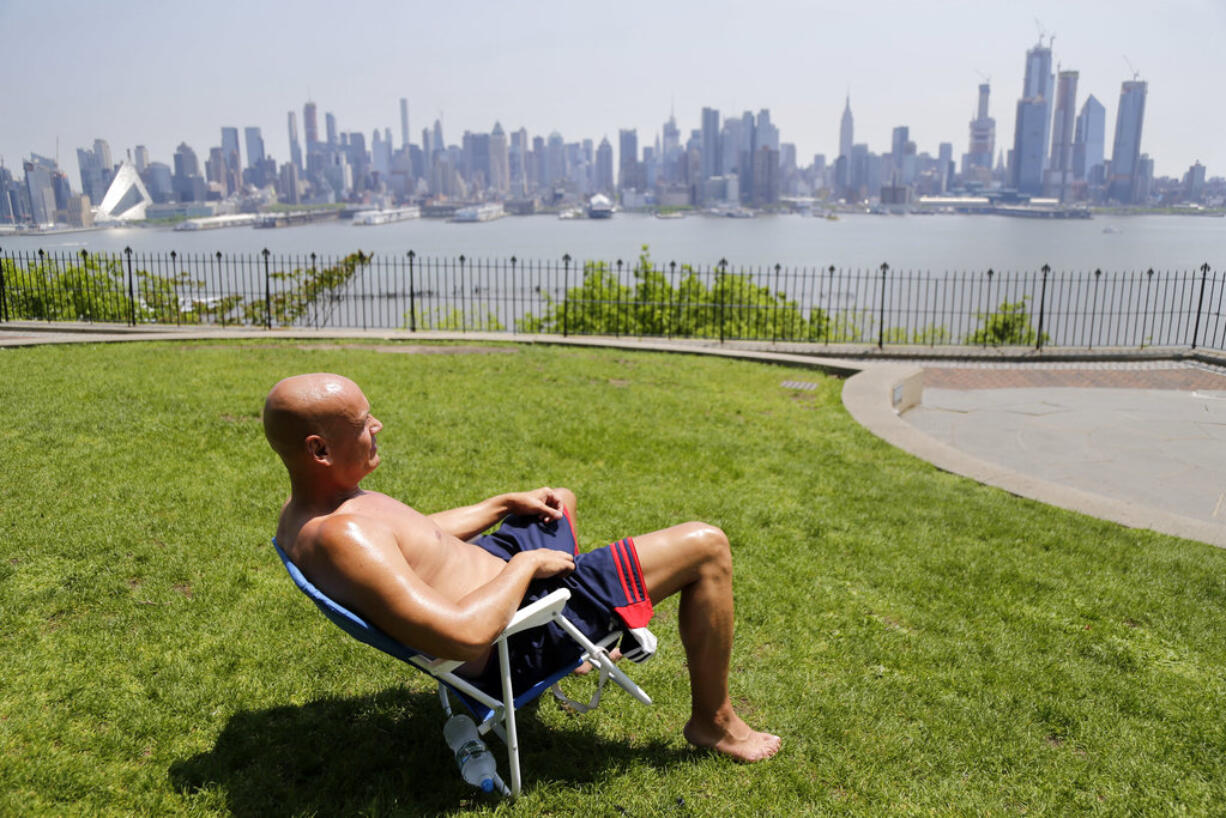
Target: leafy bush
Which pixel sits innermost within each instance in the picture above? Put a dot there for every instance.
(731, 305)
(1009, 325)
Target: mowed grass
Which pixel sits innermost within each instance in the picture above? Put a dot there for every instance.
(924, 644)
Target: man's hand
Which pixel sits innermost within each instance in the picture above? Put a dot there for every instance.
(544, 503)
(546, 562)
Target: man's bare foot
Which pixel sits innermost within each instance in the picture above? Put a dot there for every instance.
(586, 668)
(736, 740)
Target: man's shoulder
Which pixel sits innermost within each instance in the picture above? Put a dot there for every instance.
(343, 529)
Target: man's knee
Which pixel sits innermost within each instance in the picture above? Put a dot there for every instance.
(567, 497)
(711, 545)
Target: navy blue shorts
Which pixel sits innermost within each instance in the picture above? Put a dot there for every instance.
(607, 593)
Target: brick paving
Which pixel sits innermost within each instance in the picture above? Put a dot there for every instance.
(1182, 377)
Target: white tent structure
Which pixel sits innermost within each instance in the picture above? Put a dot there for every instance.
(126, 198)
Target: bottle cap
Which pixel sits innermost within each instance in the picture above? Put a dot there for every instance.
(487, 785)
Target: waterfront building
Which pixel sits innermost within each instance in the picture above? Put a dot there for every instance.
(89, 164)
(1060, 173)
(158, 182)
(142, 158)
(39, 190)
(231, 160)
(404, 123)
(1088, 141)
(330, 129)
(1194, 182)
(555, 160)
(126, 199)
(1126, 150)
(189, 185)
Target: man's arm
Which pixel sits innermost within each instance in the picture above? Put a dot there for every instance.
(466, 522)
(363, 566)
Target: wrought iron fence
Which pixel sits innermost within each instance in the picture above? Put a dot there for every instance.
(1180, 308)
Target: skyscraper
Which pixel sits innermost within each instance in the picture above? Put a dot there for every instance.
(1060, 166)
(1089, 139)
(982, 145)
(255, 146)
(499, 164)
(846, 141)
(310, 127)
(712, 161)
(295, 150)
(627, 158)
(330, 128)
(231, 160)
(604, 167)
(404, 122)
(1028, 132)
(1032, 124)
(1126, 151)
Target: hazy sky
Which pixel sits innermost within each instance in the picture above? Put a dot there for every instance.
(160, 73)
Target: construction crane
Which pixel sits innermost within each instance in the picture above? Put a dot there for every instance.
(1051, 37)
(1132, 68)
(987, 78)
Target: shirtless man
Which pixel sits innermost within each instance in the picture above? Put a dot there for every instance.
(421, 580)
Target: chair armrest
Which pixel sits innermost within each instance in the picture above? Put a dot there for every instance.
(538, 613)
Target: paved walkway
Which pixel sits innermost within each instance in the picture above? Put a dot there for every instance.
(1149, 436)
(1140, 442)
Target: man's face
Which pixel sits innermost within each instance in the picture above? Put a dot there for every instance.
(352, 438)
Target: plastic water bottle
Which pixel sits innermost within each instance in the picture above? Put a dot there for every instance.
(474, 759)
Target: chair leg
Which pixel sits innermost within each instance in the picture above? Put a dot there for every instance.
(508, 699)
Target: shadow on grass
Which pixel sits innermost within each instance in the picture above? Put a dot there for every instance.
(383, 753)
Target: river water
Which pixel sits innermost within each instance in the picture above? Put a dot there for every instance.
(938, 288)
(939, 243)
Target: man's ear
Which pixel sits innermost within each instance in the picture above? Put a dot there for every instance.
(317, 450)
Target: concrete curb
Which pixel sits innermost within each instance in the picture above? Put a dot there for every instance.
(879, 389)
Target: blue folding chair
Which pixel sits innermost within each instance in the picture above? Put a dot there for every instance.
(488, 712)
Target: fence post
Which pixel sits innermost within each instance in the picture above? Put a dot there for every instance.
(1204, 272)
(4, 304)
(316, 305)
(1098, 274)
(267, 292)
(1038, 345)
(514, 290)
(723, 267)
(566, 295)
(463, 298)
(412, 298)
(131, 290)
(885, 268)
(830, 304)
(775, 309)
(988, 319)
(668, 317)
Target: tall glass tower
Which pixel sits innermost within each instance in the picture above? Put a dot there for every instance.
(1127, 148)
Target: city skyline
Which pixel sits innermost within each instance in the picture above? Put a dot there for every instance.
(592, 79)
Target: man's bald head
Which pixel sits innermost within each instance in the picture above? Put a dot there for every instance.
(306, 405)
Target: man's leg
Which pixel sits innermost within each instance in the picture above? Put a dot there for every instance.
(695, 560)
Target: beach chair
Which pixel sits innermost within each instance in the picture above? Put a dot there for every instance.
(491, 714)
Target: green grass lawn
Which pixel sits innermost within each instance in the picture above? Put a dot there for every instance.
(924, 644)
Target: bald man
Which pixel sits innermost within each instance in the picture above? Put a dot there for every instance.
(432, 583)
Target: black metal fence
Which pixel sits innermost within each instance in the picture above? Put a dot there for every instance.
(883, 306)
